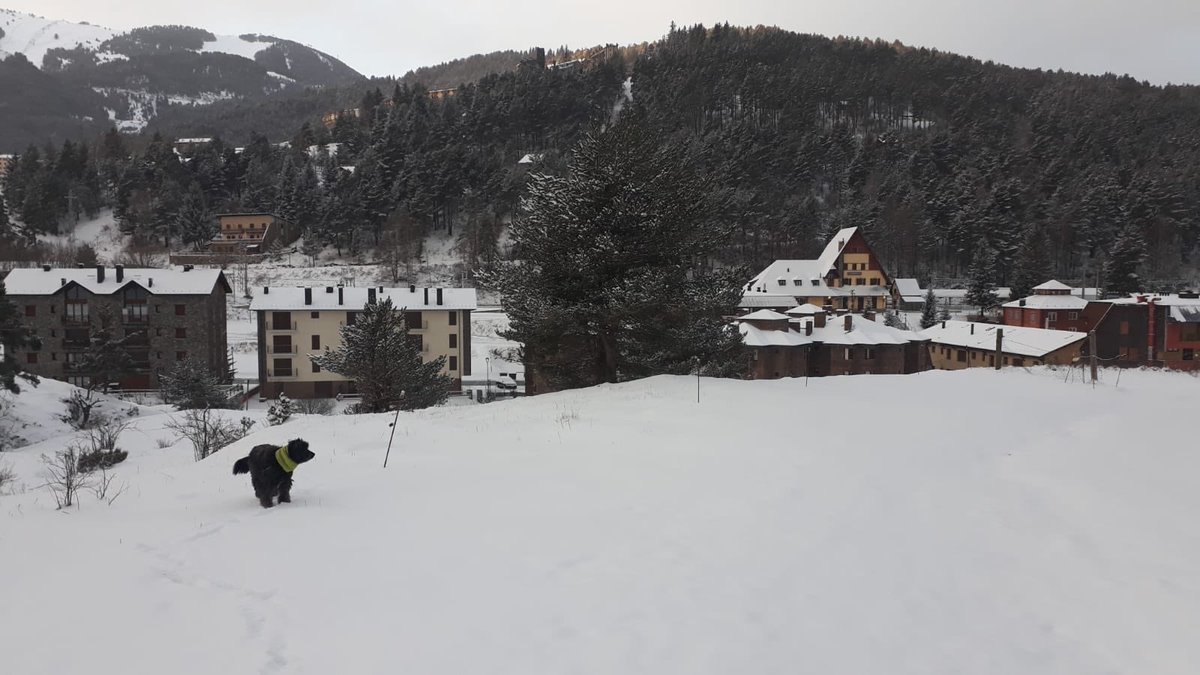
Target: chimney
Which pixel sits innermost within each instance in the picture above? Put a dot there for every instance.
(819, 319)
(340, 297)
(370, 295)
(329, 289)
(972, 329)
(120, 269)
(45, 268)
(308, 296)
(943, 324)
(848, 322)
(426, 296)
(1022, 303)
(150, 282)
(412, 288)
(808, 328)
(62, 281)
(266, 290)
(188, 268)
(439, 296)
(99, 274)
(80, 265)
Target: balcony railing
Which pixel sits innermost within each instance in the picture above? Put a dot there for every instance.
(283, 349)
(281, 327)
(281, 373)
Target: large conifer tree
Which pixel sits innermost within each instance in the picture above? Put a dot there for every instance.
(1124, 261)
(982, 290)
(13, 336)
(609, 281)
(385, 362)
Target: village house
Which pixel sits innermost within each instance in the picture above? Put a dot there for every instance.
(847, 275)
(1052, 305)
(1147, 330)
(807, 342)
(164, 316)
(248, 233)
(296, 323)
(908, 294)
(954, 345)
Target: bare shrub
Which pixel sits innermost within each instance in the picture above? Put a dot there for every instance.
(64, 479)
(104, 488)
(80, 404)
(314, 406)
(7, 477)
(208, 431)
(165, 442)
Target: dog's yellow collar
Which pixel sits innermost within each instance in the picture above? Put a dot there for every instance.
(286, 462)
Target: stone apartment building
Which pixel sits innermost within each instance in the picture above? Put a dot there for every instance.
(165, 315)
(294, 323)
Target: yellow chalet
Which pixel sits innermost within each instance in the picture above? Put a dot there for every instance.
(847, 275)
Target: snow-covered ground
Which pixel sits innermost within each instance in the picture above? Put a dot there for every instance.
(33, 35)
(101, 232)
(974, 522)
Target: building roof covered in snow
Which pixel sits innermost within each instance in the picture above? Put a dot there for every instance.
(863, 331)
(807, 309)
(354, 298)
(1019, 340)
(757, 337)
(910, 289)
(1064, 302)
(530, 158)
(1165, 300)
(99, 280)
(1053, 285)
(756, 300)
(1185, 313)
(764, 315)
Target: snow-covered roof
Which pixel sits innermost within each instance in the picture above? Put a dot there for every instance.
(355, 298)
(530, 158)
(1019, 340)
(1053, 285)
(764, 315)
(910, 289)
(807, 309)
(757, 337)
(194, 141)
(1168, 300)
(753, 300)
(1067, 302)
(38, 281)
(863, 331)
(1185, 313)
(834, 248)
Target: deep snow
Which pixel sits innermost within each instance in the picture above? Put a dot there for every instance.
(965, 522)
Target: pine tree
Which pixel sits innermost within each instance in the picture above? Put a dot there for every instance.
(892, 318)
(6, 229)
(385, 362)
(608, 284)
(929, 316)
(189, 385)
(13, 336)
(981, 292)
(107, 359)
(1032, 267)
(281, 410)
(1124, 260)
(193, 222)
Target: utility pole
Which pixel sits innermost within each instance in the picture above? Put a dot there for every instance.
(999, 345)
(1092, 354)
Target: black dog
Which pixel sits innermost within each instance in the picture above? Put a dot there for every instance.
(270, 468)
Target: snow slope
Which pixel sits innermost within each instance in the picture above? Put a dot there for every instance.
(630, 529)
(33, 35)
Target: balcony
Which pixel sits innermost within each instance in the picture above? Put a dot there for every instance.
(281, 327)
(283, 349)
(281, 374)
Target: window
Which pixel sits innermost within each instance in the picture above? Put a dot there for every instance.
(180, 356)
(53, 356)
(783, 282)
(1019, 362)
(454, 315)
(31, 357)
(860, 282)
(413, 320)
(870, 353)
(816, 282)
(316, 367)
(797, 282)
(874, 281)
(1051, 317)
(30, 310)
(1073, 316)
(158, 355)
(961, 357)
(849, 354)
(991, 359)
(315, 315)
(283, 367)
(453, 341)
(281, 320)
(77, 305)
(135, 308)
(316, 342)
(1189, 355)
(350, 316)
(180, 310)
(180, 333)
(453, 363)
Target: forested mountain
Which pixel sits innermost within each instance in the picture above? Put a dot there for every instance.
(81, 78)
(941, 159)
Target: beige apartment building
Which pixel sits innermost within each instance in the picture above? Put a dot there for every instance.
(295, 323)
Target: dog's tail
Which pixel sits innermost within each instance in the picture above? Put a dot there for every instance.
(241, 466)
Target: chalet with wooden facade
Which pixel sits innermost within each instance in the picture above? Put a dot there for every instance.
(955, 345)
(297, 323)
(1053, 305)
(847, 275)
(247, 233)
(163, 315)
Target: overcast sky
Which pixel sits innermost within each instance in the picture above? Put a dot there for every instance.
(1156, 40)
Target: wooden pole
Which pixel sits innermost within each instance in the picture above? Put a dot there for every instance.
(395, 420)
(1092, 354)
(999, 345)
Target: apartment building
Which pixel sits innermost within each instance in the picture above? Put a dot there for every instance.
(248, 233)
(296, 323)
(847, 275)
(164, 315)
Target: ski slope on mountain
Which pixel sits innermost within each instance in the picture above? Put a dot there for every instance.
(973, 522)
(33, 35)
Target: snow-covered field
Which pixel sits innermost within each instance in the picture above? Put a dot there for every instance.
(973, 522)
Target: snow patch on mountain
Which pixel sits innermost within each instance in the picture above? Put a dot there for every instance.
(233, 44)
(34, 35)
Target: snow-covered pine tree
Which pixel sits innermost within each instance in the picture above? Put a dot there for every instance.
(1124, 261)
(892, 318)
(190, 385)
(929, 313)
(107, 358)
(1031, 266)
(609, 282)
(6, 229)
(281, 410)
(385, 362)
(193, 222)
(981, 292)
(13, 336)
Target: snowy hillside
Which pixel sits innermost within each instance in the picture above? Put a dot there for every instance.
(973, 522)
(33, 35)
